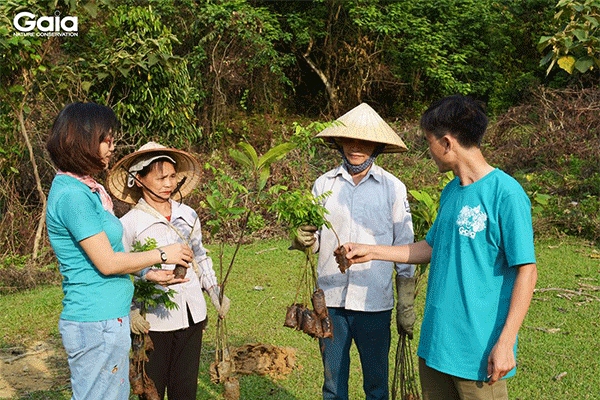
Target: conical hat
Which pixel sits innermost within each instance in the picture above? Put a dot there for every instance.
(119, 181)
(362, 122)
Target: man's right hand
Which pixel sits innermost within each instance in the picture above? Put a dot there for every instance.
(304, 237)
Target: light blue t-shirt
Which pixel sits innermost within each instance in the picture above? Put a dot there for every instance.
(75, 213)
(481, 232)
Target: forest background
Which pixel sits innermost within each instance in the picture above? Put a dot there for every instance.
(205, 75)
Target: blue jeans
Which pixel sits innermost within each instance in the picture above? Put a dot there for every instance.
(371, 334)
(98, 355)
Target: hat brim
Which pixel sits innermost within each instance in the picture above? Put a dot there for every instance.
(186, 166)
(363, 123)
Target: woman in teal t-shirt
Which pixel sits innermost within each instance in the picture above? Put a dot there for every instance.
(86, 238)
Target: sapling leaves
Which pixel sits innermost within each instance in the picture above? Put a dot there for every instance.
(234, 207)
(300, 207)
(259, 167)
(145, 292)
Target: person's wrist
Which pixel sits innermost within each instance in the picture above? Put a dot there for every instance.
(163, 255)
(144, 272)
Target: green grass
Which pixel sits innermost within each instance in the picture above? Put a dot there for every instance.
(560, 333)
(562, 329)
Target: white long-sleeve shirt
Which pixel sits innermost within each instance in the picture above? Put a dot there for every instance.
(374, 211)
(139, 225)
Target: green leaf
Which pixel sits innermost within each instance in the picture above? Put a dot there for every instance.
(592, 20)
(92, 9)
(275, 154)
(16, 89)
(211, 201)
(265, 173)
(584, 63)
(124, 71)
(250, 153)
(581, 34)
(242, 158)
(152, 59)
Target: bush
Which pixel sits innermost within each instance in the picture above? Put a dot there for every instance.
(552, 146)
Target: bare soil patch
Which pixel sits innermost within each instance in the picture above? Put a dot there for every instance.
(42, 366)
(264, 359)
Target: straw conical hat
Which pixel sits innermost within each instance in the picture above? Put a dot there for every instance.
(362, 122)
(120, 178)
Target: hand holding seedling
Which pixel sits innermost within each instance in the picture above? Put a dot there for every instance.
(341, 259)
(164, 277)
(304, 237)
(354, 253)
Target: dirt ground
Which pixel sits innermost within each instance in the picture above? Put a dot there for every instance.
(43, 366)
(25, 370)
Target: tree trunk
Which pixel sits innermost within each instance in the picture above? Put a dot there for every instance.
(329, 87)
(38, 182)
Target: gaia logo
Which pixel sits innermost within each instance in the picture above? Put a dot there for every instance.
(26, 24)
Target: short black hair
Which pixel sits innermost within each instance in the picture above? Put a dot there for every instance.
(77, 132)
(460, 116)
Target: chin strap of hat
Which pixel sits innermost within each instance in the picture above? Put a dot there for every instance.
(176, 190)
(357, 169)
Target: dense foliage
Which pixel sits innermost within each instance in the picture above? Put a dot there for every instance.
(205, 75)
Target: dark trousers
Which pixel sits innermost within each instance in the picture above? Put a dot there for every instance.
(370, 331)
(175, 361)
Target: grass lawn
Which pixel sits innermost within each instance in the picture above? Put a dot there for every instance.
(559, 352)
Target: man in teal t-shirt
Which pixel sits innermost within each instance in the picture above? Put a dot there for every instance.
(482, 231)
(483, 270)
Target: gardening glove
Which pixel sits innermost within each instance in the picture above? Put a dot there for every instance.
(222, 307)
(137, 323)
(405, 313)
(304, 238)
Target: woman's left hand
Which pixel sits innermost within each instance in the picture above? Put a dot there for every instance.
(164, 277)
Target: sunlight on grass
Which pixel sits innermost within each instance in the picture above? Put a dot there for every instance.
(560, 333)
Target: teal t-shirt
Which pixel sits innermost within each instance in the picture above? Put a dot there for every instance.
(481, 232)
(75, 213)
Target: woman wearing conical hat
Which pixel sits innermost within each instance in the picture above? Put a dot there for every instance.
(153, 179)
(368, 205)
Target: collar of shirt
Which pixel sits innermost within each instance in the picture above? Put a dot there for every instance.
(144, 219)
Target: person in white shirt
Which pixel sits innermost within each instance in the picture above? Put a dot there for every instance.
(367, 204)
(151, 178)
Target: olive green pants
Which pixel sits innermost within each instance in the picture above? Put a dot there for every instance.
(436, 385)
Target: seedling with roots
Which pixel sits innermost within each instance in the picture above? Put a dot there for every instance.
(147, 295)
(234, 206)
(298, 208)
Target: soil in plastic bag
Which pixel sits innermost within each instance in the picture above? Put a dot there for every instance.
(340, 258)
(318, 302)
